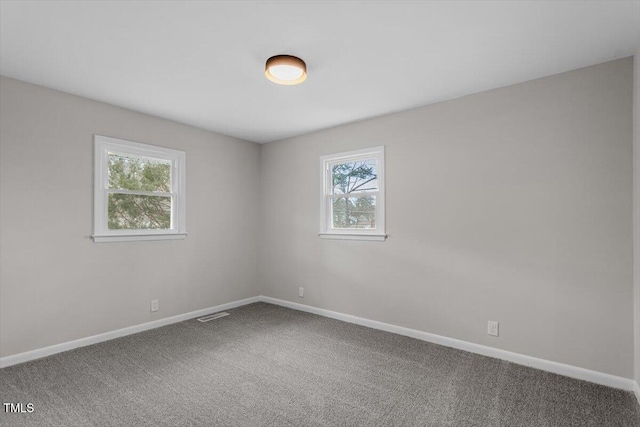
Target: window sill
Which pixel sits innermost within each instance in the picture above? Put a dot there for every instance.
(138, 237)
(353, 236)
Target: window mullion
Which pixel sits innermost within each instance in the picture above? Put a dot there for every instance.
(351, 195)
(139, 193)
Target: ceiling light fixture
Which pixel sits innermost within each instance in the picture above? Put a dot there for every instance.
(285, 70)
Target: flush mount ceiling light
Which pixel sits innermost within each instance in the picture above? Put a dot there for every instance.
(285, 70)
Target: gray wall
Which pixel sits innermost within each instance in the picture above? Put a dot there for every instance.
(636, 209)
(512, 205)
(56, 285)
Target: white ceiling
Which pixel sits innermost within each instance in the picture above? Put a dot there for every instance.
(202, 63)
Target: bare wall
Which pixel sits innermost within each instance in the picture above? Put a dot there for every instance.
(636, 211)
(56, 285)
(512, 205)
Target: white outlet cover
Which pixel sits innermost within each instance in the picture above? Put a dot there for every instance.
(301, 292)
(154, 305)
(493, 328)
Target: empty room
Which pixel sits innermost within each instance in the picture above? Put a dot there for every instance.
(319, 213)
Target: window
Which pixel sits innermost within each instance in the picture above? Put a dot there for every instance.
(352, 205)
(139, 191)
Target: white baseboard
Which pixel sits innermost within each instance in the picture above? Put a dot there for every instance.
(520, 359)
(70, 345)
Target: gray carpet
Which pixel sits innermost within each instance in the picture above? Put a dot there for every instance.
(268, 365)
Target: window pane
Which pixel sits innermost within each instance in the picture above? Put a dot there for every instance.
(354, 177)
(354, 212)
(131, 173)
(138, 212)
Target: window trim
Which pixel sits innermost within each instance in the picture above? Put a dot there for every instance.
(326, 232)
(101, 233)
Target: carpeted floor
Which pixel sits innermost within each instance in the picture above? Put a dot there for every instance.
(268, 365)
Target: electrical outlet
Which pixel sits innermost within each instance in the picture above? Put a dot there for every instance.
(154, 305)
(301, 292)
(493, 328)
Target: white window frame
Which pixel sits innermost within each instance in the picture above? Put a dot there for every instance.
(326, 185)
(101, 232)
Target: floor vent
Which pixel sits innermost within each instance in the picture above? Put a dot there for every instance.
(213, 316)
